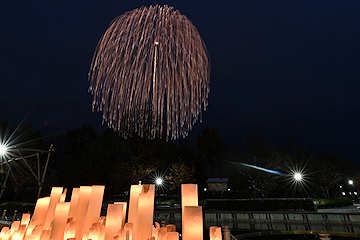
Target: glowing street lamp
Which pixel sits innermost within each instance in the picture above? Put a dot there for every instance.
(297, 176)
(159, 181)
(2, 149)
(351, 182)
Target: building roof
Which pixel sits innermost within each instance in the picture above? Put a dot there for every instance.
(217, 180)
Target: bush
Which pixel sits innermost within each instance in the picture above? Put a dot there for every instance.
(286, 204)
(10, 207)
(332, 202)
(169, 202)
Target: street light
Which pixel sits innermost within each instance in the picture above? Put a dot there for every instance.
(298, 176)
(159, 181)
(2, 149)
(351, 182)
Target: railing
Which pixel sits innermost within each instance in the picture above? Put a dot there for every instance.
(272, 221)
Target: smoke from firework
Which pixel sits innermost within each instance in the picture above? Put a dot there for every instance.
(150, 73)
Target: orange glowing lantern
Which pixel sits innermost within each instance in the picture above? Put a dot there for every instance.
(189, 197)
(113, 220)
(124, 204)
(172, 236)
(215, 233)
(145, 212)
(73, 202)
(162, 233)
(79, 219)
(63, 196)
(59, 223)
(81, 210)
(54, 199)
(25, 219)
(129, 228)
(135, 190)
(192, 223)
(171, 228)
(94, 209)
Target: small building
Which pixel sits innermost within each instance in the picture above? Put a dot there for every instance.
(217, 184)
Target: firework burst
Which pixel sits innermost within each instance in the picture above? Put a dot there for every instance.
(150, 73)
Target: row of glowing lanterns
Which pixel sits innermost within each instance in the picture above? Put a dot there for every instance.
(80, 218)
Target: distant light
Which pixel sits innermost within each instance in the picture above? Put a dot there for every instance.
(229, 189)
(343, 193)
(340, 186)
(349, 193)
(158, 181)
(205, 189)
(355, 193)
(2, 149)
(298, 176)
(156, 43)
(351, 182)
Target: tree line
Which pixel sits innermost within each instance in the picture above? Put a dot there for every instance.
(256, 169)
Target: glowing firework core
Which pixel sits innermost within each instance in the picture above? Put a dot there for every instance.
(148, 88)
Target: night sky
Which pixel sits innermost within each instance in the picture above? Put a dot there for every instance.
(287, 70)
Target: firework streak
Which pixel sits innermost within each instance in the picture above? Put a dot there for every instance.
(150, 73)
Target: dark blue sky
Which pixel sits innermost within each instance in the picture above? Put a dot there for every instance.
(288, 70)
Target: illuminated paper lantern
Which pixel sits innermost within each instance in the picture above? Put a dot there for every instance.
(59, 223)
(94, 208)
(3, 232)
(79, 219)
(54, 199)
(81, 209)
(124, 204)
(171, 228)
(94, 231)
(129, 228)
(189, 197)
(215, 233)
(70, 230)
(162, 233)
(25, 219)
(192, 223)
(39, 216)
(14, 227)
(73, 202)
(63, 196)
(20, 233)
(113, 220)
(6, 235)
(172, 236)
(135, 191)
(145, 212)
(45, 235)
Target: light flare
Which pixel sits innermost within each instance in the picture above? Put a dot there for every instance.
(262, 169)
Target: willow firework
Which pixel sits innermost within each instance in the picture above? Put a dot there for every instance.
(150, 73)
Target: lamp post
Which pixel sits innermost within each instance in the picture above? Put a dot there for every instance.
(3, 150)
(12, 153)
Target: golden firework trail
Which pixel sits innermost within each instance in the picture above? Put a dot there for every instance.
(150, 73)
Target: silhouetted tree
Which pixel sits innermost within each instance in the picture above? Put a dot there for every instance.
(210, 149)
